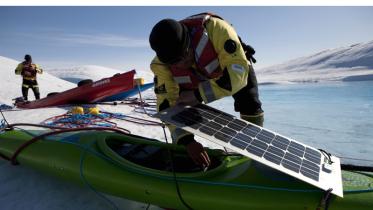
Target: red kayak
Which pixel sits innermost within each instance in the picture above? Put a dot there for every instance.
(87, 93)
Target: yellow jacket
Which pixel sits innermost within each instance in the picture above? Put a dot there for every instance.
(20, 67)
(167, 90)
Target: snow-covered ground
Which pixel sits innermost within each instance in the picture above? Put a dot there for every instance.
(23, 188)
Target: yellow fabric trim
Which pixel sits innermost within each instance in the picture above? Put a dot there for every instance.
(256, 115)
(19, 69)
(29, 78)
(164, 77)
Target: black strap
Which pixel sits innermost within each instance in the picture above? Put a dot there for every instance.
(325, 200)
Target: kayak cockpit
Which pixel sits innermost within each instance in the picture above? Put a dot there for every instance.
(156, 155)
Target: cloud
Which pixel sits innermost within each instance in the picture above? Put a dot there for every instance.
(108, 40)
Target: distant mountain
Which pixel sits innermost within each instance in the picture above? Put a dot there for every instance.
(92, 72)
(77, 74)
(352, 63)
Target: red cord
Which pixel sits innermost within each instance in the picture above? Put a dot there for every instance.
(5, 157)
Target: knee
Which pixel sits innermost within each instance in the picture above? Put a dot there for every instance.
(257, 119)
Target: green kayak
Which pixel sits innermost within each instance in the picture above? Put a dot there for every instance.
(151, 171)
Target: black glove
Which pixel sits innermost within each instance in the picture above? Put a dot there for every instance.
(249, 52)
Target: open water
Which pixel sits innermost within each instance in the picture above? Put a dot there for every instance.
(337, 117)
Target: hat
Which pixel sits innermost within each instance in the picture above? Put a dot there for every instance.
(28, 58)
(169, 39)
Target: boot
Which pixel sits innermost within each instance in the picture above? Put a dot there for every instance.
(257, 119)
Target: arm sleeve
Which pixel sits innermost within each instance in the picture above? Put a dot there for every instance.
(167, 93)
(234, 64)
(38, 69)
(19, 68)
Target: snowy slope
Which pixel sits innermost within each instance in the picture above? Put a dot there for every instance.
(94, 73)
(11, 83)
(350, 63)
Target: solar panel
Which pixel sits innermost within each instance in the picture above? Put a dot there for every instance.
(272, 149)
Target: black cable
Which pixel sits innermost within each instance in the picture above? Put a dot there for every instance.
(173, 171)
(147, 207)
(4, 117)
(327, 155)
(325, 200)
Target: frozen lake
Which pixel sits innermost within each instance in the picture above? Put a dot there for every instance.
(337, 117)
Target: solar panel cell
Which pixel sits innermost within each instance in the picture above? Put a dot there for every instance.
(207, 130)
(244, 138)
(290, 165)
(267, 133)
(273, 158)
(238, 143)
(297, 146)
(280, 153)
(259, 144)
(208, 115)
(226, 117)
(312, 158)
(235, 126)
(313, 152)
(295, 159)
(279, 145)
(282, 140)
(313, 155)
(310, 165)
(295, 151)
(221, 121)
(222, 136)
(241, 123)
(309, 173)
(251, 130)
(214, 125)
(264, 138)
(228, 131)
(255, 150)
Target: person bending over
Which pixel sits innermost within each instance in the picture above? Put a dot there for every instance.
(202, 59)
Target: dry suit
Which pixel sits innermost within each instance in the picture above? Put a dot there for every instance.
(28, 72)
(220, 69)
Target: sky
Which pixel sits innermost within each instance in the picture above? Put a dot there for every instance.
(117, 37)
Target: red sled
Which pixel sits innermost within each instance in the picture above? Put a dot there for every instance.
(87, 93)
